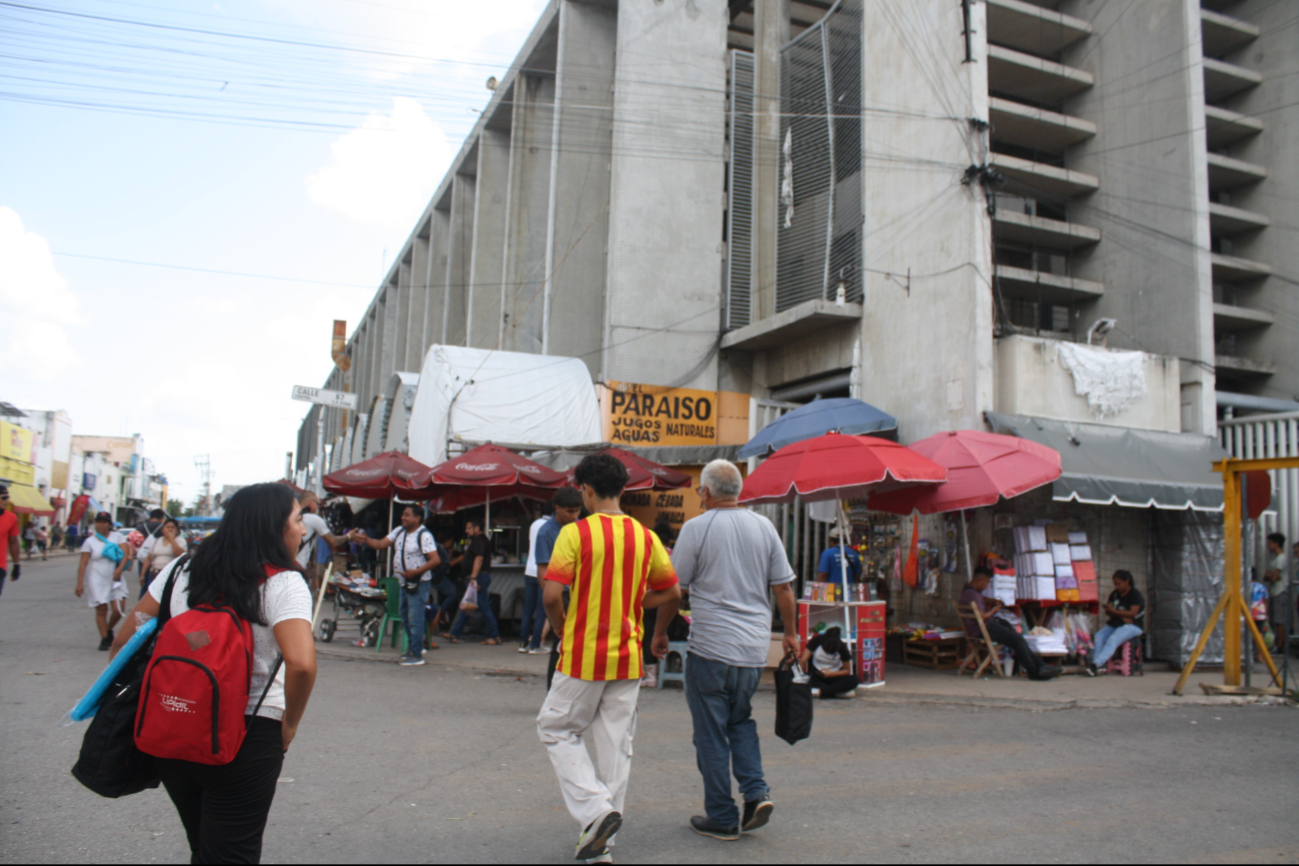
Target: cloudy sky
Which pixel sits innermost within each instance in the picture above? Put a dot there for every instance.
(191, 193)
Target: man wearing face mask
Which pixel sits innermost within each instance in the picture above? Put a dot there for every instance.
(9, 533)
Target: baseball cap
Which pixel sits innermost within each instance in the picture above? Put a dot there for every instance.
(104, 516)
(4, 490)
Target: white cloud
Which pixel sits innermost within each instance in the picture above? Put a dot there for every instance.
(385, 170)
(35, 302)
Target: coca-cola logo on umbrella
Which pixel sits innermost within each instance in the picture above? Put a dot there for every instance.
(477, 467)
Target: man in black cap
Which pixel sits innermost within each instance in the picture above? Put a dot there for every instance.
(9, 533)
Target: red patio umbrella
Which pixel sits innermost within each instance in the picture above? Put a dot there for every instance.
(383, 476)
(835, 466)
(644, 474)
(982, 468)
(485, 473)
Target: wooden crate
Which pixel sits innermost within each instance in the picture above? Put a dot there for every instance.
(939, 655)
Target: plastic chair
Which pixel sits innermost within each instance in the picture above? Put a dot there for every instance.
(666, 674)
(391, 614)
(1128, 660)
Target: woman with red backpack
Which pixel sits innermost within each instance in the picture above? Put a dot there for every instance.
(237, 607)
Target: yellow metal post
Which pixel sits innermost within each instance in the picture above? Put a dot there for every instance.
(1231, 577)
(1232, 603)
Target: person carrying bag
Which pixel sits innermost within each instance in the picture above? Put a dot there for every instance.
(231, 673)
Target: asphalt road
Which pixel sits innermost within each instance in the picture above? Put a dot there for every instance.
(439, 764)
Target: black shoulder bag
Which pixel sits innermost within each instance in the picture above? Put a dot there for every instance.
(109, 763)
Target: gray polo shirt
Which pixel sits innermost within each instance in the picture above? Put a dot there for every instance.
(728, 559)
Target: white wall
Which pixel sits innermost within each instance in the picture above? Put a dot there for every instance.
(1031, 381)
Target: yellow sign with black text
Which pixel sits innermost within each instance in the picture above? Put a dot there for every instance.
(650, 415)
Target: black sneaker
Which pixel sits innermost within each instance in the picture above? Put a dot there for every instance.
(105, 644)
(756, 814)
(595, 838)
(1047, 672)
(1089, 669)
(708, 827)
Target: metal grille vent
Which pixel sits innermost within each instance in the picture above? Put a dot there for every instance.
(739, 224)
(819, 226)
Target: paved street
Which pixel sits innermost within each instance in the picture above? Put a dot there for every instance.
(442, 764)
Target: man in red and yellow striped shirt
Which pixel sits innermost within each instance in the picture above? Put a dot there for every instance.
(614, 569)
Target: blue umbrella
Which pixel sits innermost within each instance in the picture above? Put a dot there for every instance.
(817, 418)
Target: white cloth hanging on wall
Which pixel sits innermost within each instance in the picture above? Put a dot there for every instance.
(1111, 381)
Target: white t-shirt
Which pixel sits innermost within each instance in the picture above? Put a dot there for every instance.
(284, 596)
(162, 551)
(826, 662)
(412, 550)
(530, 570)
(316, 528)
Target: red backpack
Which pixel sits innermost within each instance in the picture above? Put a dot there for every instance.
(195, 691)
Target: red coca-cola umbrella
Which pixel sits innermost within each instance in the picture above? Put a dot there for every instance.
(643, 473)
(488, 472)
(383, 476)
(835, 466)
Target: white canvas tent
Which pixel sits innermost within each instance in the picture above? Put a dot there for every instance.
(512, 398)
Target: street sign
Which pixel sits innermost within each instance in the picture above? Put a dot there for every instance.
(325, 397)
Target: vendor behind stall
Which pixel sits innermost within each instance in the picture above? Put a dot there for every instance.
(999, 630)
(828, 569)
(826, 659)
(1126, 609)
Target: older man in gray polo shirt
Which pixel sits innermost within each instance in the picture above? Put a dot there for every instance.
(729, 559)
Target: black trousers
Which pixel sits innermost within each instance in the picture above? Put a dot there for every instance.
(1003, 633)
(833, 685)
(224, 807)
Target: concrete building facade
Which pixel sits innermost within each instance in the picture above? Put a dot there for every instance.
(908, 201)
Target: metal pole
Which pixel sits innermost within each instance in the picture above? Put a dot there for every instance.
(1247, 590)
(391, 502)
(320, 453)
(843, 576)
(965, 539)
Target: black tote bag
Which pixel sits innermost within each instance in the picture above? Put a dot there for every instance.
(793, 703)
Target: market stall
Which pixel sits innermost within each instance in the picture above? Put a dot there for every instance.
(391, 476)
(830, 469)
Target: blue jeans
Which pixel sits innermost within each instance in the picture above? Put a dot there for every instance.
(726, 737)
(412, 617)
(484, 607)
(534, 614)
(1109, 639)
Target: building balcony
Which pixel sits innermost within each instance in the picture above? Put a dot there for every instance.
(1223, 80)
(1238, 367)
(1226, 221)
(1226, 172)
(798, 321)
(1026, 27)
(1233, 269)
(1036, 128)
(1229, 317)
(1222, 34)
(1033, 79)
(1039, 179)
(1036, 231)
(1045, 287)
(1224, 127)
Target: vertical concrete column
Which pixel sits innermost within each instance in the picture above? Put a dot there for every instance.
(666, 203)
(955, 371)
(375, 355)
(402, 323)
(582, 142)
(388, 357)
(459, 254)
(528, 207)
(361, 363)
(770, 31)
(419, 289)
(435, 319)
(486, 267)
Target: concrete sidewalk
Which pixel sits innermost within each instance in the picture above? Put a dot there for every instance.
(904, 683)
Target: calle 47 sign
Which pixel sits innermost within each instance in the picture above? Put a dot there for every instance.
(325, 397)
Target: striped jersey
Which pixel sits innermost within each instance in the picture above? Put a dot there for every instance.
(609, 562)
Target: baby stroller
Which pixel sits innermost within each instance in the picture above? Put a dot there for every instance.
(357, 598)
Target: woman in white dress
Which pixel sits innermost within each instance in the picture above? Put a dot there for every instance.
(99, 576)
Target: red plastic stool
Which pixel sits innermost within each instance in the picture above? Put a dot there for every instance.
(1129, 660)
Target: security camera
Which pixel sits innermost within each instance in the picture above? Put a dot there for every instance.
(1100, 328)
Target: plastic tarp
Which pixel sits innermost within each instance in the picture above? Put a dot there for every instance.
(1188, 558)
(1105, 465)
(476, 395)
